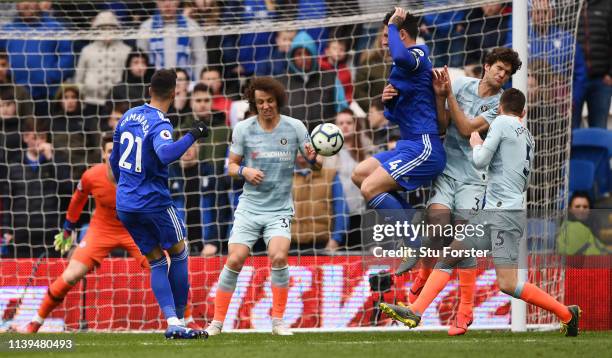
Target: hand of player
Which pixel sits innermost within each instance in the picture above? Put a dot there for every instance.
(475, 139)
(398, 16)
(311, 153)
(252, 175)
(63, 241)
(199, 130)
(388, 93)
(441, 83)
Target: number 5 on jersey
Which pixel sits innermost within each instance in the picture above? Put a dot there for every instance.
(123, 163)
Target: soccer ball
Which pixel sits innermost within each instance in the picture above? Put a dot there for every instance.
(327, 139)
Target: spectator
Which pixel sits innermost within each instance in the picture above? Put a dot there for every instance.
(214, 148)
(100, 66)
(320, 208)
(487, 27)
(246, 50)
(314, 9)
(201, 197)
(313, 96)
(576, 234)
(38, 193)
(544, 94)
(552, 44)
(380, 126)
(277, 64)
(10, 126)
(335, 59)
(595, 37)
(372, 74)
(134, 88)
(207, 13)
(40, 65)
(240, 109)
(443, 31)
(69, 130)
(356, 148)
(180, 107)
(211, 77)
(174, 48)
(115, 113)
(19, 93)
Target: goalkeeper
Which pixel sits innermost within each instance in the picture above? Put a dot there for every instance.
(105, 233)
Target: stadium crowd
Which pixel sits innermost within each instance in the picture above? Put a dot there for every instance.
(57, 98)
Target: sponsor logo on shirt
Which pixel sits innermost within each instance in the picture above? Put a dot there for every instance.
(282, 155)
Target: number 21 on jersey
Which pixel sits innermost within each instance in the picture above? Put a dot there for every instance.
(123, 163)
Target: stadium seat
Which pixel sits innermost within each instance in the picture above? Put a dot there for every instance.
(582, 176)
(595, 145)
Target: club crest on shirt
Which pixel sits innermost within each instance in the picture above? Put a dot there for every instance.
(484, 108)
(283, 141)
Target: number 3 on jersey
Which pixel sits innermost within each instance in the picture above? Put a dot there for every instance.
(123, 163)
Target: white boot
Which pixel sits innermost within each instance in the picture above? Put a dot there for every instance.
(214, 328)
(279, 327)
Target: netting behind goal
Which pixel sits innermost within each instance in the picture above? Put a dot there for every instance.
(75, 67)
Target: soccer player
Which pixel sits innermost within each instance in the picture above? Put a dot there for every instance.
(459, 191)
(263, 152)
(419, 155)
(105, 233)
(142, 149)
(507, 151)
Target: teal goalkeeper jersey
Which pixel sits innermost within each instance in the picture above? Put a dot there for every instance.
(274, 154)
(508, 150)
(459, 165)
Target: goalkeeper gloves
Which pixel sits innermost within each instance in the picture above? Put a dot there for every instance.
(63, 240)
(199, 130)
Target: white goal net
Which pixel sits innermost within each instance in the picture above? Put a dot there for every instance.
(69, 69)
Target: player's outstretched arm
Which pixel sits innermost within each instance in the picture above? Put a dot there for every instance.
(400, 54)
(168, 151)
(464, 125)
(63, 240)
(442, 87)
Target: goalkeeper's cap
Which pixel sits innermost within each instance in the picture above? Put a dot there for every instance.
(105, 18)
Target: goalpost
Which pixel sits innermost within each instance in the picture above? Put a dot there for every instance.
(328, 292)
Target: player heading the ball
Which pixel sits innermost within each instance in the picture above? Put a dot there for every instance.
(263, 152)
(142, 149)
(410, 103)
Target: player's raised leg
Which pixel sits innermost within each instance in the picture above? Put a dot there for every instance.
(436, 282)
(363, 170)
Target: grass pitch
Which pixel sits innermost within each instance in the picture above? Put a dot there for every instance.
(380, 344)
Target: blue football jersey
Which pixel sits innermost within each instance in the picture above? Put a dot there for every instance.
(414, 108)
(143, 180)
